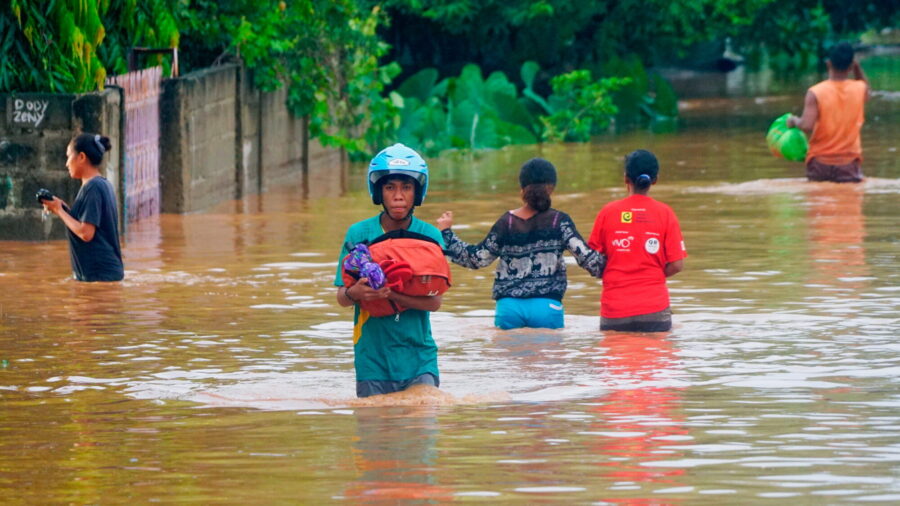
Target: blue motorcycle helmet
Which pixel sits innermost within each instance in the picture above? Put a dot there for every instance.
(398, 160)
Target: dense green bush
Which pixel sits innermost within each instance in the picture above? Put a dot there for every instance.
(134, 23)
(340, 58)
(325, 51)
(579, 106)
(471, 112)
(51, 46)
(562, 35)
(467, 111)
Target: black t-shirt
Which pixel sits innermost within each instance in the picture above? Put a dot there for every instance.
(101, 258)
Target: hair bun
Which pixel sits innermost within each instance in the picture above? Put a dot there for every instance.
(99, 144)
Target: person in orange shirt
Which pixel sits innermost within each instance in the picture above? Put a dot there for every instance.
(833, 114)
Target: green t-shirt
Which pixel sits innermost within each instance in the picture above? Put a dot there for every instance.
(396, 347)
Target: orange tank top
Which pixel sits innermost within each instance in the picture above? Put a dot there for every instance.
(835, 138)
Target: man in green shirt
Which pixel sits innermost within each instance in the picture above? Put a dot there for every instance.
(391, 353)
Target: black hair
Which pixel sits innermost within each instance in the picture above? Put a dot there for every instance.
(537, 177)
(641, 168)
(538, 196)
(537, 171)
(92, 145)
(841, 55)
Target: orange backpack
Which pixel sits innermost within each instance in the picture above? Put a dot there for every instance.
(430, 270)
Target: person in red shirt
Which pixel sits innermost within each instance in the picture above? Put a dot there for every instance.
(642, 241)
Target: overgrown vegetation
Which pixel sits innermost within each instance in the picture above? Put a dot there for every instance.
(575, 67)
(562, 35)
(51, 46)
(138, 23)
(326, 52)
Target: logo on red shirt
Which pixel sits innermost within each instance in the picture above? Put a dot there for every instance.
(627, 216)
(624, 242)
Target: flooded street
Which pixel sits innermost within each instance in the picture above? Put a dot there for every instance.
(221, 369)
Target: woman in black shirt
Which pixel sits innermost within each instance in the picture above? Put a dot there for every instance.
(530, 280)
(93, 221)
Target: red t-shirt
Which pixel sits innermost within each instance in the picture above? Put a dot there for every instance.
(639, 236)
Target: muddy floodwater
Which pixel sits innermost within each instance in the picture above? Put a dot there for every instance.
(221, 369)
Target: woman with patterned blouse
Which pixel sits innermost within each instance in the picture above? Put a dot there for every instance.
(530, 280)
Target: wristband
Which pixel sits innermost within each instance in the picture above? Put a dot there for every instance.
(347, 294)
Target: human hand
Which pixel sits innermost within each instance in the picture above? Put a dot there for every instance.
(445, 221)
(362, 291)
(53, 206)
(793, 121)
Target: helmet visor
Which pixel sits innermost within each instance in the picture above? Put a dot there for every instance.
(419, 177)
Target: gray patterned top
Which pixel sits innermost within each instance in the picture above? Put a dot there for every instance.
(531, 254)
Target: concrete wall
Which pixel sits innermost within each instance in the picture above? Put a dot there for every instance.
(248, 126)
(223, 139)
(220, 139)
(35, 129)
(281, 139)
(326, 170)
(197, 139)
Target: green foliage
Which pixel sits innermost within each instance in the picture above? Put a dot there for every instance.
(646, 97)
(144, 23)
(359, 117)
(795, 34)
(793, 37)
(471, 112)
(333, 56)
(51, 46)
(581, 107)
(559, 35)
(325, 51)
(467, 111)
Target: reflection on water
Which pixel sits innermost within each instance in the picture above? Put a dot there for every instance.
(222, 367)
(641, 419)
(837, 230)
(403, 469)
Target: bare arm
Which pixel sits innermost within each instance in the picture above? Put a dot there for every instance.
(349, 296)
(673, 268)
(423, 303)
(84, 231)
(859, 75)
(807, 121)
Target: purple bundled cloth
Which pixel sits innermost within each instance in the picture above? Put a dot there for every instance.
(358, 256)
(360, 261)
(372, 272)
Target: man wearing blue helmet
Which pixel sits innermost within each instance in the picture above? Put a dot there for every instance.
(391, 353)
